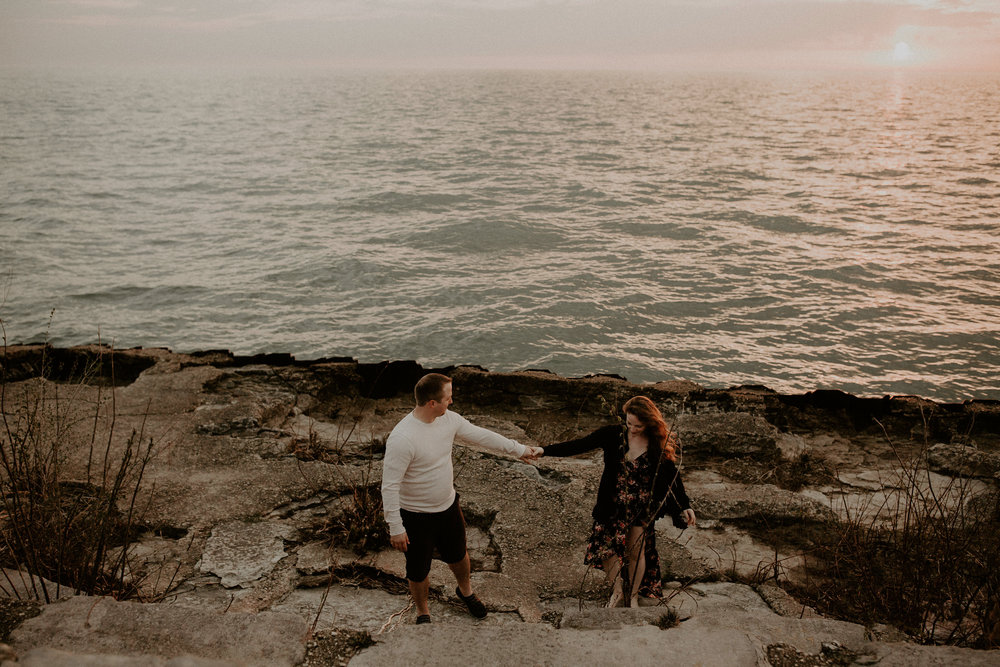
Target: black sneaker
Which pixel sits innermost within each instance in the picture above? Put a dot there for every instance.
(423, 618)
(472, 603)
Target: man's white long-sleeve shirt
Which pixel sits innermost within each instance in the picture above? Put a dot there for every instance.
(417, 471)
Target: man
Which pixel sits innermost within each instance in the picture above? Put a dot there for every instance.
(418, 489)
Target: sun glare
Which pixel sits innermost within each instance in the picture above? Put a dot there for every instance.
(902, 53)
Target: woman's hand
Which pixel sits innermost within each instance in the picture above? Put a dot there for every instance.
(689, 516)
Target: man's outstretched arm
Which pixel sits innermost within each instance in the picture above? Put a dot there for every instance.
(490, 440)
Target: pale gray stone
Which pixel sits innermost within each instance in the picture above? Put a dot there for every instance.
(90, 626)
(766, 502)
(241, 552)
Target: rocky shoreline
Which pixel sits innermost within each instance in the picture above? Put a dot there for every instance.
(257, 458)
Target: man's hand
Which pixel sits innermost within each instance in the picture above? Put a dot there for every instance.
(532, 453)
(399, 542)
(689, 516)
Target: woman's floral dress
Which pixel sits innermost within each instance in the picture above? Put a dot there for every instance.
(608, 539)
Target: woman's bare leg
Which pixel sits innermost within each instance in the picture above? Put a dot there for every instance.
(635, 561)
(612, 571)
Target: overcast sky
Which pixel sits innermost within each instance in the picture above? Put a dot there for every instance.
(605, 34)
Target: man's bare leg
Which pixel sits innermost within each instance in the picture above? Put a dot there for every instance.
(419, 591)
(463, 571)
(463, 574)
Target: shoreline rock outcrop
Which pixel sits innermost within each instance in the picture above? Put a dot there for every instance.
(259, 461)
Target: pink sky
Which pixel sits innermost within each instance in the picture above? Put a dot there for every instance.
(592, 34)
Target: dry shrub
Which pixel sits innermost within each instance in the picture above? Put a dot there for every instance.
(55, 526)
(926, 560)
(360, 524)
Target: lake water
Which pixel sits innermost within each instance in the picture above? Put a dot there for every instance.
(800, 232)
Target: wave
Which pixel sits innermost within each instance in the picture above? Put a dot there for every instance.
(717, 229)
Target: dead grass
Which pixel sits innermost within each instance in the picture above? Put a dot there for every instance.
(926, 561)
(792, 474)
(67, 527)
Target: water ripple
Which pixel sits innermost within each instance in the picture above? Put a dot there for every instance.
(793, 232)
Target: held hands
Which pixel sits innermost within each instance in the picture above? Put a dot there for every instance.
(532, 454)
(399, 542)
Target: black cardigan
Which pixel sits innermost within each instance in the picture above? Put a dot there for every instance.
(668, 489)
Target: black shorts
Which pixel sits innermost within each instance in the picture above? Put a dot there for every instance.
(427, 531)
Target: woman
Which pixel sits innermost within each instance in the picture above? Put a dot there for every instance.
(640, 484)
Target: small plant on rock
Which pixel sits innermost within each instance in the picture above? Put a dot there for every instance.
(668, 619)
(360, 523)
(356, 522)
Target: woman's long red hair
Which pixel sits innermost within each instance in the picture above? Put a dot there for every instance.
(662, 440)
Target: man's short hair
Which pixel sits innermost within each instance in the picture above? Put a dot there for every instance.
(430, 388)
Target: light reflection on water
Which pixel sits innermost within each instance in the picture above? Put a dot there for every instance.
(793, 232)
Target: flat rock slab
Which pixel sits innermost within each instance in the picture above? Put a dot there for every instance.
(343, 607)
(727, 640)
(915, 655)
(372, 610)
(50, 657)
(540, 644)
(239, 552)
(733, 434)
(98, 626)
(731, 501)
(23, 585)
